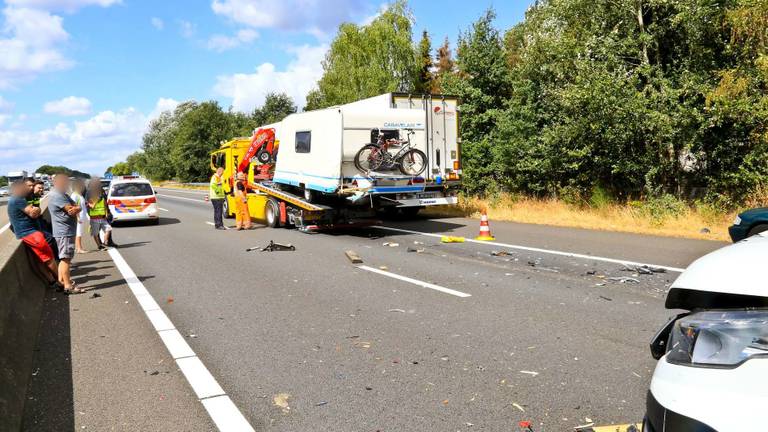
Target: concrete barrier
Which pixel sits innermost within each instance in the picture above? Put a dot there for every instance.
(22, 292)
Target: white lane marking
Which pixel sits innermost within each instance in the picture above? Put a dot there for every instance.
(229, 417)
(192, 192)
(5, 227)
(201, 201)
(213, 224)
(162, 209)
(540, 250)
(177, 346)
(201, 380)
(220, 407)
(415, 281)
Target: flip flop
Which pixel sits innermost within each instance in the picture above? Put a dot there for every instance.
(74, 290)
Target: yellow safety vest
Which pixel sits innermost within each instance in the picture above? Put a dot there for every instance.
(98, 210)
(216, 190)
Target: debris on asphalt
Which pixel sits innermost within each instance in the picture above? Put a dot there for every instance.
(383, 268)
(273, 247)
(193, 336)
(354, 257)
(501, 253)
(452, 239)
(581, 428)
(361, 344)
(153, 373)
(410, 249)
(518, 406)
(529, 372)
(445, 402)
(321, 403)
(369, 388)
(281, 401)
(600, 284)
(95, 295)
(624, 280)
(397, 310)
(390, 244)
(526, 426)
(606, 298)
(416, 242)
(169, 300)
(643, 269)
(532, 263)
(591, 272)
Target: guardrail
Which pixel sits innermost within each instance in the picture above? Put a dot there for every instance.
(22, 293)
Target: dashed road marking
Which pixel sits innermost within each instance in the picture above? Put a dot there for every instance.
(5, 227)
(219, 406)
(416, 282)
(539, 250)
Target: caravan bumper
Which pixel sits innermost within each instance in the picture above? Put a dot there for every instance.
(423, 202)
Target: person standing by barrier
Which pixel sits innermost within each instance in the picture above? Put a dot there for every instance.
(34, 197)
(25, 225)
(242, 217)
(217, 197)
(97, 213)
(78, 196)
(64, 213)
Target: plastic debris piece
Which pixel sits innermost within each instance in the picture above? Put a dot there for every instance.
(95, 295)
(518, 406)
(606, 298)
(500, 253)
(397, 310)
(452, 239)
(534, 373)
(390, 244)
(281, 400)
(624, 280)
(169, 300)
(354, 257)
(321, 403)
(383, 268)
(410, 249)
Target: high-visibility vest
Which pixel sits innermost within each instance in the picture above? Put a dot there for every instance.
(216, 190)
(99, 209)
(34, 201)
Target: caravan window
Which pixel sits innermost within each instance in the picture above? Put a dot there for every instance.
(388, 134)
(303, 142)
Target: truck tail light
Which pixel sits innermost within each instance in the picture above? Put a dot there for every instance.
(114, 202)
(456, 165)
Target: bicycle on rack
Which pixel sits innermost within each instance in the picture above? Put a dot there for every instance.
(376, 156)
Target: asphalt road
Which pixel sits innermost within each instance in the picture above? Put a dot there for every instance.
(305, 340)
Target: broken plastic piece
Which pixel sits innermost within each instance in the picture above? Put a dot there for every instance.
(354, 257)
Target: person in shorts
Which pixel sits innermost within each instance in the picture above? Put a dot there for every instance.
(64, 213)
(97, 213)
(24, 219)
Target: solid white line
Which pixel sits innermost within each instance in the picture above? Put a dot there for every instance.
(5, 227)
(225, 414)
(200, 192)
(213, 224)
(220, 407)
(539, 250)
(201, 201)
(415, 282)
(162, 209)
(176, 344)
(202, 382)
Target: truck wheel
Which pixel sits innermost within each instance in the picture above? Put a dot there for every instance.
(225, 209)
(757, 229)
(272, 213)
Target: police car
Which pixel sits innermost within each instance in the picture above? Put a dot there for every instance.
(132, 198)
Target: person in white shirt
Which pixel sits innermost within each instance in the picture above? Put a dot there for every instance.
(78, 189)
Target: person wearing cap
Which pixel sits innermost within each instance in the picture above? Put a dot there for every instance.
(242, 217)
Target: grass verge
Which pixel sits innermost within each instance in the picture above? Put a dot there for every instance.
(655, 218)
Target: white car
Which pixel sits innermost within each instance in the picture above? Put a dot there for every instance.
(4, 191)
(132, 198)
(712, 373)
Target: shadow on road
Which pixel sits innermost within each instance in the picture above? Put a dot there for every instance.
(50, 403)
(134, 224)
(110, 284)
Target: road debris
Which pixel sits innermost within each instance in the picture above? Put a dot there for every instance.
(606, 298)
(410, 249)
(281, 401)
(383, 268)
(581, 428)
(169, 300)
(353, 257)
(501, 253)
(321, 403)
(452, 239)
(518, 406)
(390, 244)
(273, 247)
(624, 280)
(525, 426)
(397, 310)
(643, 269)
(95, 295)
(361, 344)
(534, 373)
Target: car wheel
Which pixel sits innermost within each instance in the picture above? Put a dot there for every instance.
(757, 229)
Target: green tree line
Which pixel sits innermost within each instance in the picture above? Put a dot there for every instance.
(630, 98)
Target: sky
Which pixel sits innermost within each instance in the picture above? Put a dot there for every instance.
(81, 79)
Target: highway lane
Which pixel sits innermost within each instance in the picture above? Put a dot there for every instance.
(544, 341)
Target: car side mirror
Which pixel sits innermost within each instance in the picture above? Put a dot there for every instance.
(659, 342)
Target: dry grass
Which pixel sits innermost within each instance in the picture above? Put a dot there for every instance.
(609, 217)
(177, 185)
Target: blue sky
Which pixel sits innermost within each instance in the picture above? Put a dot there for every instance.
(80, 79)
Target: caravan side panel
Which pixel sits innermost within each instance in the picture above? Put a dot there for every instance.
(310, 150)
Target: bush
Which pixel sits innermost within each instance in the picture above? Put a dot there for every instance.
(662, 207)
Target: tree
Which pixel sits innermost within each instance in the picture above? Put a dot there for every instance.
(365, 61)
(444, 65)
(199, 131)
(277, 106)
(425, 81)
(120, 169)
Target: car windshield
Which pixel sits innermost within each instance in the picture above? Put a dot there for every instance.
(131, 189)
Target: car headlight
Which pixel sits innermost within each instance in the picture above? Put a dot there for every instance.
(737, 221)
(718, 338)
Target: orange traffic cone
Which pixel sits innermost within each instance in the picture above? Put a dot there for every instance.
(485, 229)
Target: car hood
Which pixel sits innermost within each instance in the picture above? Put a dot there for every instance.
(733, 276)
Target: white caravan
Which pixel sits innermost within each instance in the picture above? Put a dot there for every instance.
(317, 148)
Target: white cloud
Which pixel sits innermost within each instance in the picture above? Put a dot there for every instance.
(29, 43)
(157, 23)
(223, 43)
(187, 29)
(60, 5)
(162, 105)
(69, 106)
(304, 15)
(249, 90)
(90, 145)
(6, 106)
